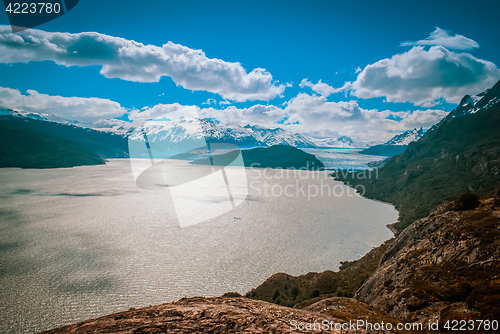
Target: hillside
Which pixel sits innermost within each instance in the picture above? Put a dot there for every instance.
(445, 266)
(278, 156)
(304, 290)
(460, 154)
(31, 143)
(384, 150)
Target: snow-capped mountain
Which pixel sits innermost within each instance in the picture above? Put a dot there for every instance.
(36, 116)
(470, 104)
(406, 137)
(278, 136)
(192, 130)
(340, 142)
(396, 145)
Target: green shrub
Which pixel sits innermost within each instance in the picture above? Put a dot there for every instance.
(468, 201)
(314, 293)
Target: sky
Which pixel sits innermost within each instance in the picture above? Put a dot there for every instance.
(363, 69)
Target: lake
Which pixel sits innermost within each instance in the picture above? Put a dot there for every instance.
(78, 243)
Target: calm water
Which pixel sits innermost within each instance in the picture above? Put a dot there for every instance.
(82, 242)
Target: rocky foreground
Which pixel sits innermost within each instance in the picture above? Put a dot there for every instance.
(206, 315)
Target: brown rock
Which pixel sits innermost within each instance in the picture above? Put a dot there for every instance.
(441, 267)
(204, 315)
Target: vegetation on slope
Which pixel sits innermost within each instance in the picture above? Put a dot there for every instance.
(277, 156)
(304, 290)
(384, 150)
(29, 143)
(460, 156)
(444, 266)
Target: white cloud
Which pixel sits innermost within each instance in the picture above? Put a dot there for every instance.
(89, 111)
(210, 101)
(358, 69)
(320, 88)
(133, 61)
(422, 76)
(447, 39)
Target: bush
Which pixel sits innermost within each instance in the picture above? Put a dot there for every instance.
(467, 201)
(231, 294)
(314, 293)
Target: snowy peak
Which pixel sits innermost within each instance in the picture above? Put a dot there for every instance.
(195, 129)
(35, 116)
(406, 137)
(339, 142)
(470, 104)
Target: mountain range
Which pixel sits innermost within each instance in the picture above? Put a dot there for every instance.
(192, 129)
(339, 142)
(36, 140)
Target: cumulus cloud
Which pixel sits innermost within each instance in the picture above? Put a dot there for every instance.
(447, 39)
(210, 101)
(320, 88)
(161, 111)
(133, 61)
(422, 76)
(91, 111)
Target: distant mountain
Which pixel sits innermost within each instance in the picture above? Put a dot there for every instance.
(278, 156)
(340, 142)
(184, 132)
(406, 137)
(459, 154)
(28, 141)
(36, 116)
(396, 145)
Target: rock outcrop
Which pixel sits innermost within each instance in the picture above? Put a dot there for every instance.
(445, 266)
(205, 315)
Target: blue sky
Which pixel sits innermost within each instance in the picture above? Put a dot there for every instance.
(337, 42)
